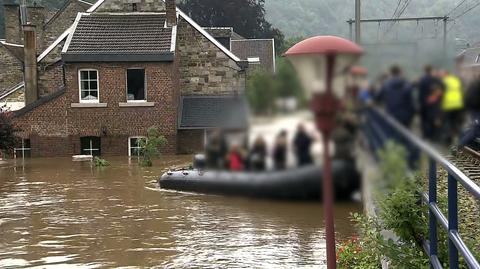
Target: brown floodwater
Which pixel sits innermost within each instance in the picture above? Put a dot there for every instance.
(55, 213)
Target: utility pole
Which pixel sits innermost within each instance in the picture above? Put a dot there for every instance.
(357, 21)
(445, 19)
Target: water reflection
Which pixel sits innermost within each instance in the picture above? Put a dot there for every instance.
(54, 213)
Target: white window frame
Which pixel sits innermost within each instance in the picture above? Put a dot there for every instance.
(22, 149)
(144, 85)
(80, 86)
(90, 148)
(130, 144)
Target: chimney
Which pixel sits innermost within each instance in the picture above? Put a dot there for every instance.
(30, 64)
(171, 11)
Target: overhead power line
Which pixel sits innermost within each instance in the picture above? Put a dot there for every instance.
(467, 10)
(456, 7)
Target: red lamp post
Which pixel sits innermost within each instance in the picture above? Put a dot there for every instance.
(317, 61)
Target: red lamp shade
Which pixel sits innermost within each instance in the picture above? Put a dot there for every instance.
(358, 71)
(324, 45)
(309, 59)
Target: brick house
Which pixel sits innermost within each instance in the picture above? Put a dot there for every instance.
(120, 68)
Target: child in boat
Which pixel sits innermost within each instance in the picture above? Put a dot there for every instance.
(235, 159)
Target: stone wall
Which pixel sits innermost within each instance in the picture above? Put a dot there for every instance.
(10, 70)
(12, 24)
(127, 6)
(17, 96)
(56, 121)
(62, 20)
(50, 79)
(204, 68)
(13, 27)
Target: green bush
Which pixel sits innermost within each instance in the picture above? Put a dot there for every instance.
(99, 162)
(400, 212)
(150, 146)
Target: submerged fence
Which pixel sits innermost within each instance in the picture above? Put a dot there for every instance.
(378, 128)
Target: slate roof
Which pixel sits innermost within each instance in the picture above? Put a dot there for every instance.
(120, 37)
(252, 48)
(204, 112)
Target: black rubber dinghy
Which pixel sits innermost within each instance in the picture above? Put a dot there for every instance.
(295, 184)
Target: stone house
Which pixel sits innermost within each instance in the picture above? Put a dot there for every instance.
(120, 68)
(259, 53)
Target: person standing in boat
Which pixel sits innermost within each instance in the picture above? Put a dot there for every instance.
(257, 155)
(216, 150)
(235, 159)
(302, 144)
(280, 151)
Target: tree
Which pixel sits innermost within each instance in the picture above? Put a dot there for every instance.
(261, 92)
(247, 17)
(8, 138)
(150, 146)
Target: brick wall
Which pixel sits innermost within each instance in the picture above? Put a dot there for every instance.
(190, 141)
(204, 68)
(126, 6)
(57, 121)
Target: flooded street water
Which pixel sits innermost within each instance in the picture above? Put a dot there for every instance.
(57, 213)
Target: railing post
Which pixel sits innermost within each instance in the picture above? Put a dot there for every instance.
(432, 198)
(452, 220)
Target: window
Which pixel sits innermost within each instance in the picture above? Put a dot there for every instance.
(25, 150)
(90, 145)
(134, 148)
(88, 84)
(134, 7)
(136, 85)
(477, 60)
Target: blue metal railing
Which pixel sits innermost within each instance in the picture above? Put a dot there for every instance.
(378, 128)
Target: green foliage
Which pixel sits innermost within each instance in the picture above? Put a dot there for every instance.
(247, 17)
(392, 165)
(99, 162)
(264, 88)
(400, 212)
(8, 138)
(260, 92)
(150, 146)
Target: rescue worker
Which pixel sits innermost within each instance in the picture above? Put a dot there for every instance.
(280, 151)
(396, 94)
(302, 143)
(216, 150)
(452, 106)
(430, 90)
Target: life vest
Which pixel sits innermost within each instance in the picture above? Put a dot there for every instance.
(453, 96)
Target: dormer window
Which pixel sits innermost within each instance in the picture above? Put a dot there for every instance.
(88, 85)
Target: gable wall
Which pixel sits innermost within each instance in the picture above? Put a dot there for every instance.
(63, 20)
(204, 68)
(10, 70)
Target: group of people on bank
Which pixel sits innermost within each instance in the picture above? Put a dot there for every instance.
(220, 156)
(438, 97)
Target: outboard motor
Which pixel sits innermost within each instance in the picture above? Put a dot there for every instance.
(199, 162)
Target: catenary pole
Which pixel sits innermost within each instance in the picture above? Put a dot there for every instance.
(357, 21)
